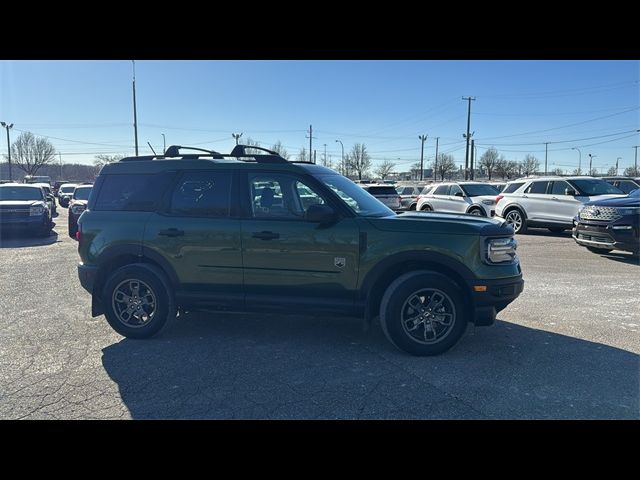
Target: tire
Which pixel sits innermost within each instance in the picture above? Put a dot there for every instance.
(412, 208)
(153, 288)
(475, 211)
(395, 307)
(511, 217)
(426, 208)
(556, 229)
(599, 250)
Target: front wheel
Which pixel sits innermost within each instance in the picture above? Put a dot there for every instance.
(138, 301)
(426, 208)
(423, 313)
(476, 211)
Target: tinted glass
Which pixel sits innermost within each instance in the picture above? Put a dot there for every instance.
(202, 194)
(68, 189)
(627, 186)
(281, 196)
(442, 190)
(594, 186)
(382, 191)
(455, 189)
(477, 189)
(134, 192)
(558, 188)
(355, 197)
(537, 187)
(82, 193)
(20, 193)
(512, 187)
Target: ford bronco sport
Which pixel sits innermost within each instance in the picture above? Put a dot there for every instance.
(255, 232)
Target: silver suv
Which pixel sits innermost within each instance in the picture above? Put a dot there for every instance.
(549, 202)
(474, 198)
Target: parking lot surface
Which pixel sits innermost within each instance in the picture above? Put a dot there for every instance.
(566, 348)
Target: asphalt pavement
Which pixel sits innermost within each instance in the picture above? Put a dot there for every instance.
(567, 348)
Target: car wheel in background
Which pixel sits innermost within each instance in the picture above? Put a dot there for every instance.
(426, 208)
(476, 211)
(517, 220)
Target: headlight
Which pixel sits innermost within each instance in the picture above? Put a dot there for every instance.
(501, 250)
(36, 211)
(629, 211)
(77, 209)
(489, 202)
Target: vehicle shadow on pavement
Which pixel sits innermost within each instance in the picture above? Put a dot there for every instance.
(21, 240)
(257, 366)
(543, 232)
(622, 257)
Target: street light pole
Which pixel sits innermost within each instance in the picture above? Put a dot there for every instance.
(344, 167)
(164, 143)
(135, 114)
(8, 126)
(423, 138)
(579, 159)
(236, 136)
(619, 158)
(591, 157)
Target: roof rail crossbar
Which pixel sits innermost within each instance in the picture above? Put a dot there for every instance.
(174, 151)
(241, 151)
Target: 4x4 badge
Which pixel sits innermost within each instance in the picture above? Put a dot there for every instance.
(339, 262)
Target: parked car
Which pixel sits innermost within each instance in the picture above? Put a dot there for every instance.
(24, 207)
(626, 184)
(65, 192)
(77, 205)
(409, 196)
(474, 198)
(550, 202)
(612, 224)
(51, 199)
(385, 193)
(499, 186)
(204, 232)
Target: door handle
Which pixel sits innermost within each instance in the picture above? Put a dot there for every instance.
(171, 232)
(525, 196)
(555, 198)
(265, 235)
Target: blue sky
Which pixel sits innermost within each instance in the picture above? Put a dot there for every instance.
(85, 107)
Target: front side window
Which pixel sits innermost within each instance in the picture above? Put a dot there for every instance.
(442, 190)
(202, 194)
(359, 201)
(627, 186)
(281, 196)
(594, 186)
(559, 187)
(456, 190)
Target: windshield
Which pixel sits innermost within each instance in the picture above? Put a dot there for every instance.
(477, 189)
(362, 203)
(635, 193)
(20, 193)
(82, 193)
(594, 186)
(67, 189)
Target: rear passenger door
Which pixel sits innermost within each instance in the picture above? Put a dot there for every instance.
(197, 235)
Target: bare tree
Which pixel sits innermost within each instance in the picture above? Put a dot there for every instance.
(576, 171)
(385, 169)
(302, 155)
(250, 142)
(507, 168)
(280, 150)
(359, 160)
(594, 172)
(557, 171)
(102, 160)
(631, 172)
(530, 164)
(31, 153)
(415, 171)
(488, 160)
(612, 171)
(446, 165)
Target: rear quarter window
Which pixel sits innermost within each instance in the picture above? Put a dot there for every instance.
(132, 192)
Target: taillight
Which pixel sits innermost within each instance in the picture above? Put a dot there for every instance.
(78, 235)
(499, 197)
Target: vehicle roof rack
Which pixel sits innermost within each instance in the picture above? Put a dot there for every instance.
(239, 152)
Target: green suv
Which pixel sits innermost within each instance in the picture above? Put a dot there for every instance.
(255, 232)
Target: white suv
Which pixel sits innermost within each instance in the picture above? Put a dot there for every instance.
(549, 202)
(474, 198)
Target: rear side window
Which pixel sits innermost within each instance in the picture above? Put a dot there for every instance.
(512, 187)
(202, 194)
(537, 187)
(442, 190)
(133, 192)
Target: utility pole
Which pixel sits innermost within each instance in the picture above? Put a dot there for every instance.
(135, 115)
(423, 138)
(466, 151)
(435, 168)
(8, 126)
(471, 163)
(591, 157)
(324, 161)
(314, 156)
(636, 162)
(60, 157)
(236, 136)
(617, 159)
(343, 167)
(546, 145)
(579, 159)
(310, 137)
(164, 143)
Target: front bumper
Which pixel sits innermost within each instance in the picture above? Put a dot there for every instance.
(24, 223)
(498, 294)
(617, 235)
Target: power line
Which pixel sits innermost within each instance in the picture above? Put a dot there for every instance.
(560, 141)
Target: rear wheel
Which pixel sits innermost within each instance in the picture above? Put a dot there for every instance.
(599, 250)
(423, 313)
(516, 219)
(138, 301)
(426, 208)
(412, 207)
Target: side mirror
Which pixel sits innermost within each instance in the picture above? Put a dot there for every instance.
(570, 191)
(459, 194)
(321, 214)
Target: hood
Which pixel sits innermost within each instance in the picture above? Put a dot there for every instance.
(20, 203)
(442, 223)
(616, 202)
(479, 198)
